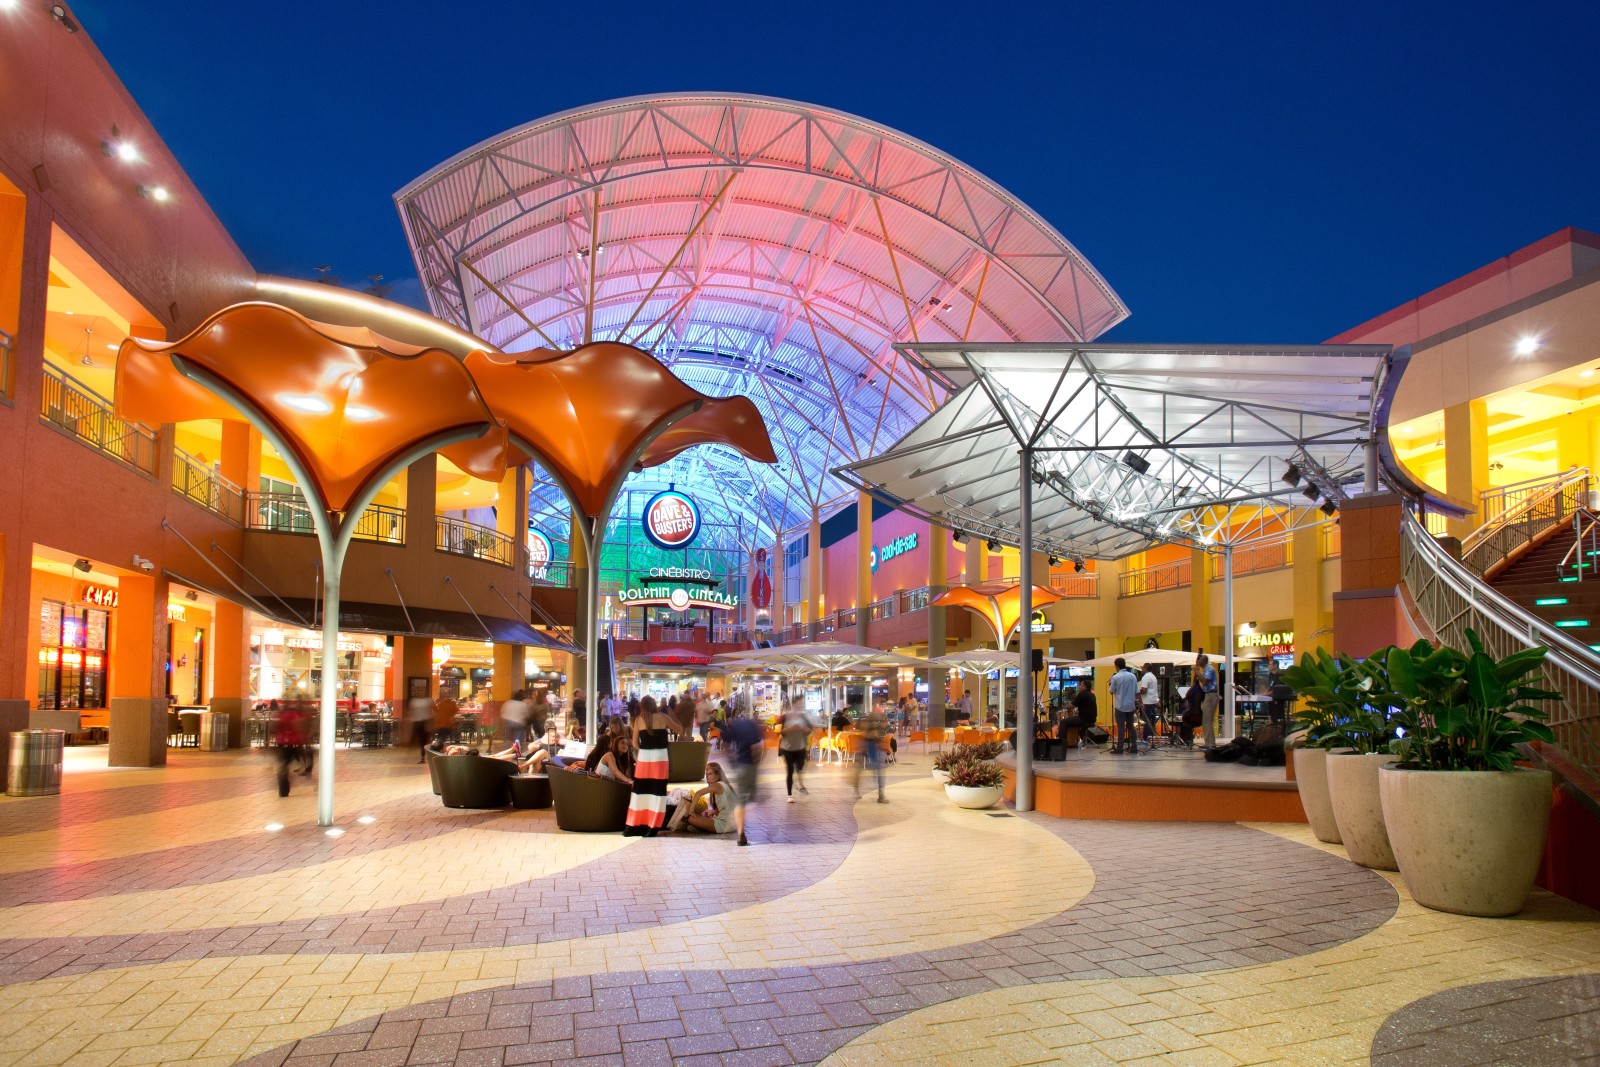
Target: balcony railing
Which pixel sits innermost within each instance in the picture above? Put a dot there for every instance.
(1256, 558)
(1178, 574)
(557, 572)
(7, 374)
(1332, 540)
(288, 513)
(461, 538)
(199, 484)
(69, 405)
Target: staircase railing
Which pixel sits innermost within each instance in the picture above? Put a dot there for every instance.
(1535, 510)
(1451, 600)
(1580, 558)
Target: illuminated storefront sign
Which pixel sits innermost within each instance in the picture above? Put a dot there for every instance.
(175, 613)
(539, 552)
(677, 597)
(1038, 624)
(1279, 643)
(898, 547)
(671, 520)
(101, 596)
(315, 644)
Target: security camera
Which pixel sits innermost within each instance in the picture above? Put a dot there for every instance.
(142, 563)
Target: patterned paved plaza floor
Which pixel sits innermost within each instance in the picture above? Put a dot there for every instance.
(150, 917)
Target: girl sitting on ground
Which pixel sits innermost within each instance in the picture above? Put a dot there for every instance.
(720, 802)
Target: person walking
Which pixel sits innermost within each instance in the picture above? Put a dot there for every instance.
(794, 744)
(874, 727)
(703, 710)
(419, 713)
(515, 713)
(290, 737)
(1124, 698)
(647, 807)
(1206, 675)
(744, 741)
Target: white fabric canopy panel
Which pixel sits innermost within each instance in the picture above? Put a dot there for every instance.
(1134, 444)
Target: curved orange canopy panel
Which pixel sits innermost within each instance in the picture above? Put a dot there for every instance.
(998, 604)
(589, 412)
(347, 400)
(734, 421)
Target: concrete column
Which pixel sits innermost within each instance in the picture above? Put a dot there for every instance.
(778, 610)
(1574, 442)
(510, 669)
(421, 495)
(230, 667)
(415, 658)
(863, 565)
(15, 618)
(583, 617)
(511, 519)
(938, 568)
(973, 572)
(1200, 605)
(814, 603)
(1306, 550)
(1466, 459)
(138, 661)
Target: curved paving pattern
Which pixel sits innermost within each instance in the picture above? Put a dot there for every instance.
(1533, 1022)
(853, 932)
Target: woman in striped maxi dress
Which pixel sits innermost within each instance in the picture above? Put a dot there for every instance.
(647, 808)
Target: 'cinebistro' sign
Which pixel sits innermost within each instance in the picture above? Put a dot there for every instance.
(676, 597)
(898, 547)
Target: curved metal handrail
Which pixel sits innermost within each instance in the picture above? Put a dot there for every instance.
(1451, 599)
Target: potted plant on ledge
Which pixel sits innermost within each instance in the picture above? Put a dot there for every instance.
(1364, 740)
(1467, 825)
(975, 783)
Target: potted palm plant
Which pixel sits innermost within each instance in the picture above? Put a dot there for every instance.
(1326, 684)
(1467, 825)
(975, 783)
(947, 759)
(1363, 737)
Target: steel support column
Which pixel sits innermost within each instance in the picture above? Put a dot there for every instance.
(1227, 639)
(1024, 734)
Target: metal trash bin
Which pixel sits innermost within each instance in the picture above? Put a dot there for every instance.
(214, 731)
(35, 768)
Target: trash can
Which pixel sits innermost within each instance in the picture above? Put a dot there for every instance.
(214, 731)
(35, 768)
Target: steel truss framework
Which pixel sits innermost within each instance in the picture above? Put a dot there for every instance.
(761, 247)
(1134, 444)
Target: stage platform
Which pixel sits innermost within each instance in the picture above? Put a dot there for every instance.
(1163, 785)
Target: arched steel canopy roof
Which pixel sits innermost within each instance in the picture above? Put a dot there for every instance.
(759, 246)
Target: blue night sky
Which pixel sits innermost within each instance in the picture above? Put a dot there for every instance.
(1250, 172)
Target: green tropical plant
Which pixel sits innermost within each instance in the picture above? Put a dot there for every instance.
(976, 773)
(1467, 712)
(1345, 702)
(957, 753)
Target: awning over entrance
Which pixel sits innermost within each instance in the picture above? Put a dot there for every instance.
(1134, 444)
(357, 617)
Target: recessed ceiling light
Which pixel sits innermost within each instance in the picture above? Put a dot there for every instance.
(1527, 346)
(1587, 374)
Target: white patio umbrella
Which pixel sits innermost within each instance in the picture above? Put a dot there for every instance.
(828, 658)
(1142, 657)
(982, 661)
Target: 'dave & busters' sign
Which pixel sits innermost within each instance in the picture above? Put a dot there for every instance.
(660, 588)
(671, 520)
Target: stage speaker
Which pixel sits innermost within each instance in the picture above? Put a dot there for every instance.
(1038, 660)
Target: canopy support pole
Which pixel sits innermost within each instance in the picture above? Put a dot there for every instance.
(1024, 734)
(1227, 638)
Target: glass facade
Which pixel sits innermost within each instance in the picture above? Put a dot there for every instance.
(73, 657)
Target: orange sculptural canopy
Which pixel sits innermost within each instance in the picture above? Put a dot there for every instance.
(594, 413)
(348, 401)
(1000, 605)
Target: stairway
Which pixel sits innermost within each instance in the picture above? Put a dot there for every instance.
(1564, 596)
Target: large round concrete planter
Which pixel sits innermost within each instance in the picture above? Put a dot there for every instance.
(941, 776)
(1467, 842)
(1353, 792)
(981, 796)
(1311, 778)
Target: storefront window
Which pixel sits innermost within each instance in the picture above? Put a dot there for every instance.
(72, 656)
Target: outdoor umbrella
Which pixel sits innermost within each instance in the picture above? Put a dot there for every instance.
(982, 661)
